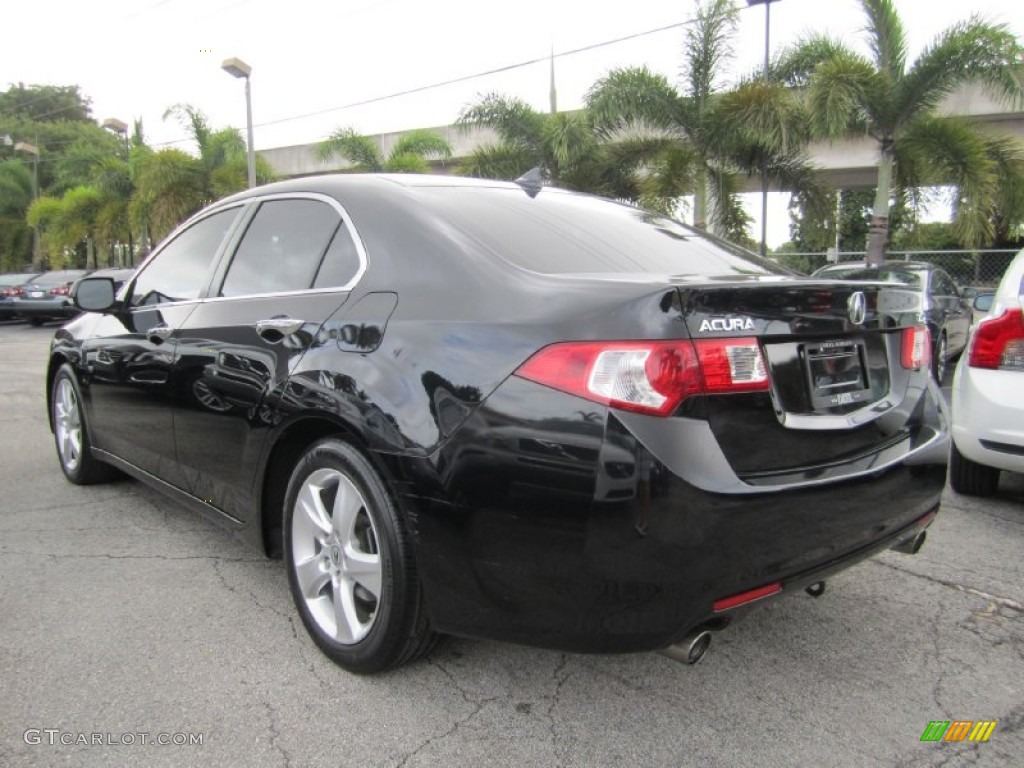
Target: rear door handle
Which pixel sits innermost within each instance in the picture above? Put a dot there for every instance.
(275, 329)
(158, 334)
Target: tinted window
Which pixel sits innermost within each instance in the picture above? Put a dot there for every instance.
(875, 274)
(341, 262)
(943, 285)
(560, 233)
(282, 247)
(180, 270)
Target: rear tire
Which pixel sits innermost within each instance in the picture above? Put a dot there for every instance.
(939, 362)
(71, 433)
(971, 478)
(350, 563)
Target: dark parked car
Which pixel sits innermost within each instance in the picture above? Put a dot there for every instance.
(47, 296)
(946, 310)
(504, 411)
(10, 286)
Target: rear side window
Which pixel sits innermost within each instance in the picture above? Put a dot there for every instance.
(282, 248)
(561, 233)
(341, 262)
(179, 272)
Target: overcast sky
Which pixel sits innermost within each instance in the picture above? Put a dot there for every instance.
(134, 58)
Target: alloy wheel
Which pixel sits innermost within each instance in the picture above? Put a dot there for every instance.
(68, 425)
(336, 556)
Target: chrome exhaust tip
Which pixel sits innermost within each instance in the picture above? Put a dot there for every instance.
(690, 649)
(912, 546)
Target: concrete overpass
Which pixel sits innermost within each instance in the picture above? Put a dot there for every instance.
(848, 164)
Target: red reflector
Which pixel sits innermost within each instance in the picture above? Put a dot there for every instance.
(747, 597)
(916, 347)
(998, 342)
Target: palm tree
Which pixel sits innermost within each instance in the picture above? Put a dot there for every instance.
(895, 103)
(408, 155)
(564, 145)
(701, 140)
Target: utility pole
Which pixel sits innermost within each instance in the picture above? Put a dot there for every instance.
(764, 162)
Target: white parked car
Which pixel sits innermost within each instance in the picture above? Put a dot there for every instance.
(988, 393)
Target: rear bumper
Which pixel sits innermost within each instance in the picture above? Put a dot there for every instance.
(43, 308)
(988, 427)
(581, 539)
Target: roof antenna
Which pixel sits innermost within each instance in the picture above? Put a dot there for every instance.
(532, 181)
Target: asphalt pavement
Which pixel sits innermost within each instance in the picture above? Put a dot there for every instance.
(126, 620)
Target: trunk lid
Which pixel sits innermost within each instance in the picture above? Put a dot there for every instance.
(840, 388)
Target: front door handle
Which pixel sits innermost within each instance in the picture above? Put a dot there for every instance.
(276, 328)
(158, 334)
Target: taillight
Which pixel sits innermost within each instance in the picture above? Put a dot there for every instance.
(648, 376)
(916, 348)
(60, 290)
(998, 342)
(16, 291)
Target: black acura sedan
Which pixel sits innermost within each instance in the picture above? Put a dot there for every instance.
(497, 410)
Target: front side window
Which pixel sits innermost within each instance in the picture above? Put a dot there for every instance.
(282, 248)
(180, 271)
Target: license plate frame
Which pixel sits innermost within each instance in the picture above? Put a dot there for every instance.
(836, 372)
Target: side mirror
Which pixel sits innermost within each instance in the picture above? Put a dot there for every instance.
(94, 294)
(983, 302)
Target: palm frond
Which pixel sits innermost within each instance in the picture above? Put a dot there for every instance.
(515, 121)
(765, 113)
(887, 38)
(951, 151)
(569, 139)
(708, 46)
(839, 92)
(422, 142)
(498, 161)
(361, 151)
(728, 218)
(193, 120)
(970, 50)
(633, 94)
(406, 162)
(795, 64)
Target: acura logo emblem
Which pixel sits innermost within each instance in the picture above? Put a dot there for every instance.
(857, 306)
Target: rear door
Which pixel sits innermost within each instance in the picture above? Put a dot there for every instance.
(291, 266)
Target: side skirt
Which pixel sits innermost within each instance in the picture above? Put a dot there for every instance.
(205, 509)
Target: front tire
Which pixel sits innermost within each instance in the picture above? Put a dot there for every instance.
(971, 478)
(350, 563)
(71, 433)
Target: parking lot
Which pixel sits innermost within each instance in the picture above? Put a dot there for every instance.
(122, 615)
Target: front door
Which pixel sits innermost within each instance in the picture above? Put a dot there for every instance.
(128, 361)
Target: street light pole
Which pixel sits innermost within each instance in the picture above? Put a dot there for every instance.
(31, 149)
(120, 127)
(238, 68)
(764, 163)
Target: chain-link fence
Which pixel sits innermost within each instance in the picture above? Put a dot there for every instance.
(980, 269)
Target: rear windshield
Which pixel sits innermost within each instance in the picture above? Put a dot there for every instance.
(903, 276)
(564, 233)
(56, 278)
